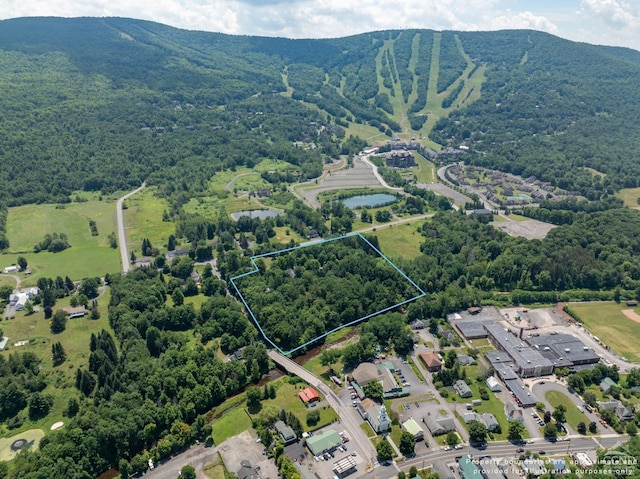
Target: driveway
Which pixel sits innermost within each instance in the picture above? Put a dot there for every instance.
(541, 387)
(122, 237)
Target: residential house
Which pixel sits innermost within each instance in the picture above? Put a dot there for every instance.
(623, 412)
(286, 433)
(309, 395)
(513, 413)
(431, 361)
(490, 421)
(439, 424)
(462, 389)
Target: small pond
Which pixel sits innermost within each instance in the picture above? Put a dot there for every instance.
(262, 214)
(369, 201)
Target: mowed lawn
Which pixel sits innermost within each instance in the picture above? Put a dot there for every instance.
(606, 321)
(402, 240)
(87, 256)
(238, 419)
(573, 415)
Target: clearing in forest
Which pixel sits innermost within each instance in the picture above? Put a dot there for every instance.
(299, 295)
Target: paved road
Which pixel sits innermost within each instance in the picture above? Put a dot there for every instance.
(122, 237)
(365, 160)
(197, 456)
(11, 310)
(503, 450)
(349, 420)
(541, 386)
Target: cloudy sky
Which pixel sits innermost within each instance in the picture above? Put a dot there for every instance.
(607, 22)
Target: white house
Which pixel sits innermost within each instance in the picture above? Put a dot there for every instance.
(493, 384)
(12, 269)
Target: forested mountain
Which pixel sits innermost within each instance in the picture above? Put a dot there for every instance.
(102, 104)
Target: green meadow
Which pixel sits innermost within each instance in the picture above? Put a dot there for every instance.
(401, 240)
(143, 219)
(88, 255)
(606, 321)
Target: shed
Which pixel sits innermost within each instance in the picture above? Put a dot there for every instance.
(76, 312)
(493, 384)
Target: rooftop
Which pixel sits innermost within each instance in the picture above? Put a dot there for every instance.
(320, 442)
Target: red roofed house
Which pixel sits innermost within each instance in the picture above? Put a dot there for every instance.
(431, 361)
(309, 395)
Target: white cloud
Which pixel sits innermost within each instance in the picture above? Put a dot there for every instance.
(617, 20)
(620, 14)
(522, 20)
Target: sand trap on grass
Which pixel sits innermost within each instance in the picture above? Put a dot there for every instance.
(632, 315)
(57, 425)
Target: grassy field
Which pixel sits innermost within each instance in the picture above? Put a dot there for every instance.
(630, 196)
(236, 419)
(143, 219)
(232, 423)
(573, 415)
(287, 398)
(215, 469)
(402, 240)
(32, 435)
(314, 366)
(426, 170)
(75, 340)
(87, 256)
(368, 431)
(606, 321)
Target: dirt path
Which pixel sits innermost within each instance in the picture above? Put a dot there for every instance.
(632, 315)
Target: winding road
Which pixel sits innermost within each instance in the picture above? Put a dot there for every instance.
(122, 237)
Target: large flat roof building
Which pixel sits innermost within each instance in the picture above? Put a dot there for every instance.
(528, 361)
(563, 350)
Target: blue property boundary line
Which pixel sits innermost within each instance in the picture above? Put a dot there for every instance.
(276, 253)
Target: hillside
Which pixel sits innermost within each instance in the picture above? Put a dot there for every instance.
(101, 104)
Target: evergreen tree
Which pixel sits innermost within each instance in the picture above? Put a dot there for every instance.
(58, 322)
(58, 354)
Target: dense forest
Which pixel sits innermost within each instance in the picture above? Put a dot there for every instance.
(104, 104)
(142, 388)
(303, 294)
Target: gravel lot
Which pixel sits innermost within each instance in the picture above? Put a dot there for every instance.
(244, 447)
(359, 176)
(530, 229)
